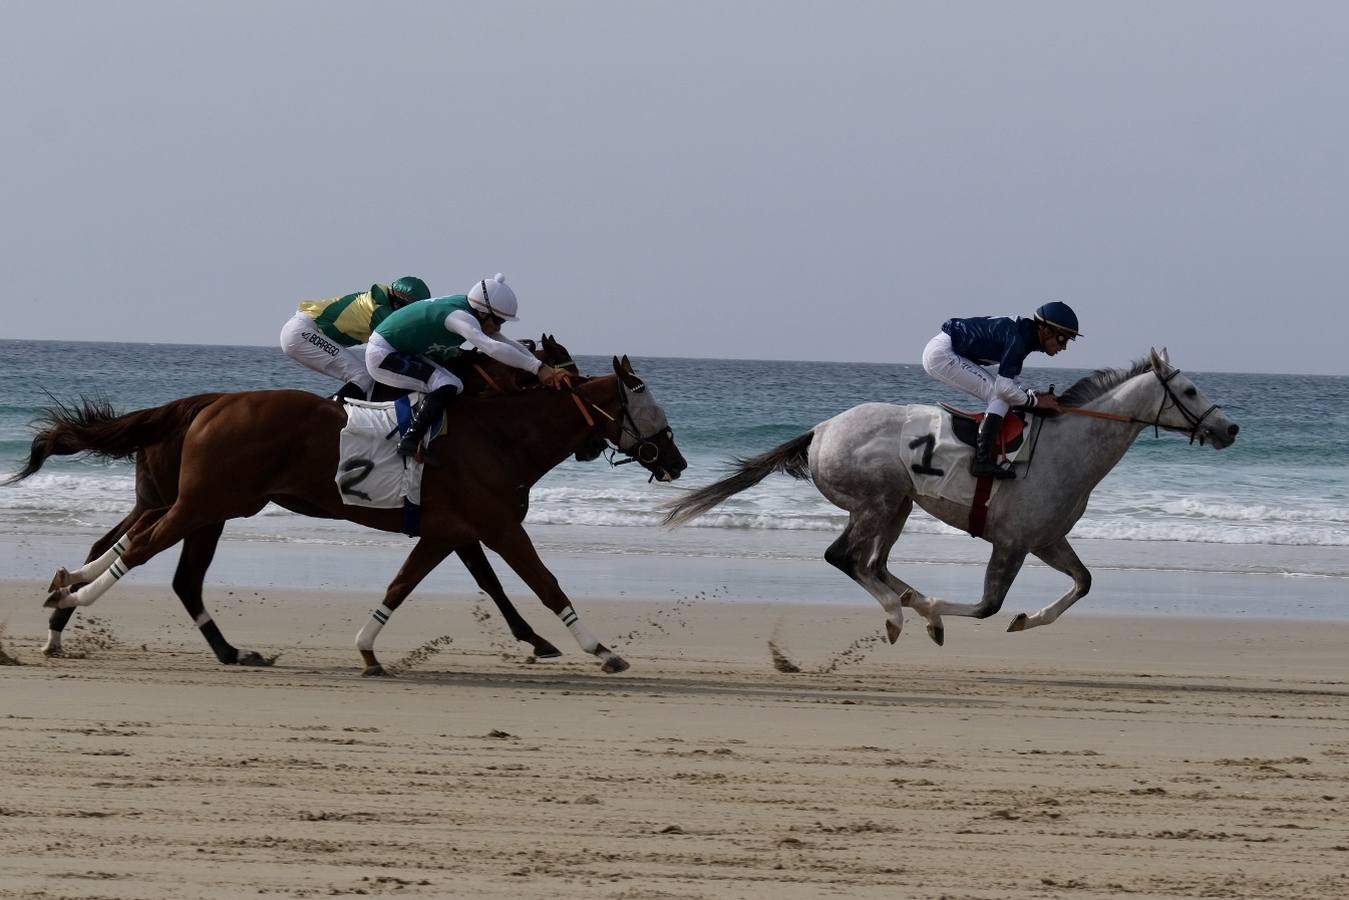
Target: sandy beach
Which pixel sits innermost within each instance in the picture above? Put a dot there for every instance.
(1099, 757)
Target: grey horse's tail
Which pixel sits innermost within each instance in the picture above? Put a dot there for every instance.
(789, 458)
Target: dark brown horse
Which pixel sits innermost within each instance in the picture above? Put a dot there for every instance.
(494, 449)
(157, 486)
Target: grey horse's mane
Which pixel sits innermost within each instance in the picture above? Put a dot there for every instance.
(1089, 387)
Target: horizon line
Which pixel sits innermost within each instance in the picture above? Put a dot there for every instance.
(843, 362)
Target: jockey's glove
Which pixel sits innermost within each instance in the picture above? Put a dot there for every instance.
(1033, 401)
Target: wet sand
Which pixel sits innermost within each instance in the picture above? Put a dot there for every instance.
(1097, 757)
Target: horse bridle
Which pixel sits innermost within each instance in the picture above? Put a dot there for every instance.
(1190, 418)
(646, 451)
(1156, 422)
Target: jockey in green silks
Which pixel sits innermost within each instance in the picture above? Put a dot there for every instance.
(322, 333)
(403, 349)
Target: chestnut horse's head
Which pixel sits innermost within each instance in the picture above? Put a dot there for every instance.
(644, 432)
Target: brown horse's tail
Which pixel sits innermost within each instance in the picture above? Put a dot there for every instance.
(789, 458)
(92, 426)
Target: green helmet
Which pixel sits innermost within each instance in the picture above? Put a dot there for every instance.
(410, 289)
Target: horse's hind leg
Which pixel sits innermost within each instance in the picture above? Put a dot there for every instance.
(1059, 555)
(92, 580)
(475, 560)
(862, 552)
(153, 533)
(101, 555)
(425, 556)
(60, 618)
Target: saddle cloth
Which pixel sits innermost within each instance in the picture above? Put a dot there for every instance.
(369, 470)
(937, 459)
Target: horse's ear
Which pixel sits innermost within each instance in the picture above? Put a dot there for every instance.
(627, 363)
(618, 368)
(1166, 357)
(1158, 359)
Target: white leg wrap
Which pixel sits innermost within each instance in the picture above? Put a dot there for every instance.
(588, 642)
(94, 568)
(203, 619)
(53, 642)
(366, 639)
(99, 586)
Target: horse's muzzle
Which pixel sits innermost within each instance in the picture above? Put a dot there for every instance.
(1219, 434)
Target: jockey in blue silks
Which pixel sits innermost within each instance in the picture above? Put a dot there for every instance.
(959, 352)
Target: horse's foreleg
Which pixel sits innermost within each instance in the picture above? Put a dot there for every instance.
(1058, 555)
(425, 556)
(105, 571)
(515, 547)
(60, 618)
(475, 560)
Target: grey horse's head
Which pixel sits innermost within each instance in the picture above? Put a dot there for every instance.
(1184, 408)
(644, 433)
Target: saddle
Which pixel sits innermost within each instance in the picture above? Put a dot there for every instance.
(965, 426)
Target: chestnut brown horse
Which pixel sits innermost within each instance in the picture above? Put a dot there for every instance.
(157, 486)
(241, 451)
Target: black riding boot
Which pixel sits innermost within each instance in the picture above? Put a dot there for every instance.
(433, 404)
(350, 391)
(985, 449)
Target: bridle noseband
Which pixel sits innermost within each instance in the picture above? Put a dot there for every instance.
(1190, 418)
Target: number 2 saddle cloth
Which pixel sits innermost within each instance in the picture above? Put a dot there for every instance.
(369, 470)
(937, 445)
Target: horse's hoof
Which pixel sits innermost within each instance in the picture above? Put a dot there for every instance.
(891, 631)
(375, 671)
(545, 650)
(937, 633)
(252, 658)
(614, 664)
(59, 580)
(52, 652)
(1018, 623)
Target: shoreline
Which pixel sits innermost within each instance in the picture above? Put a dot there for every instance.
(1138, 579)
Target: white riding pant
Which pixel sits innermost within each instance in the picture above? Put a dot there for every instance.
(406, 370)
(944, 364)
(303, 342)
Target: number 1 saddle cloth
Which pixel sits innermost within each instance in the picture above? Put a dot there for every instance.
(937, 446)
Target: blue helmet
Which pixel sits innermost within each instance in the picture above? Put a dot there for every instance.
(1060, 316)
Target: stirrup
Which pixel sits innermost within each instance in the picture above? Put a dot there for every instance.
(990, 469)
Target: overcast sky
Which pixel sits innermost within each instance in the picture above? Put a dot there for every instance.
(823, 180)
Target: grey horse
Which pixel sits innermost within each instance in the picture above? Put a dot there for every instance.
(856, 461)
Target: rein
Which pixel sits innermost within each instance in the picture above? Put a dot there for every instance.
(1098, 414)
(487, 379)
(1194, 421)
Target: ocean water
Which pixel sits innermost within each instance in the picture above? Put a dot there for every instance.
(1276, 501)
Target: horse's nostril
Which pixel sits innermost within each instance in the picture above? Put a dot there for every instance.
(1232, 430)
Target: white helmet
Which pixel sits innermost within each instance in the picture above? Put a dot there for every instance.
(494, 296)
